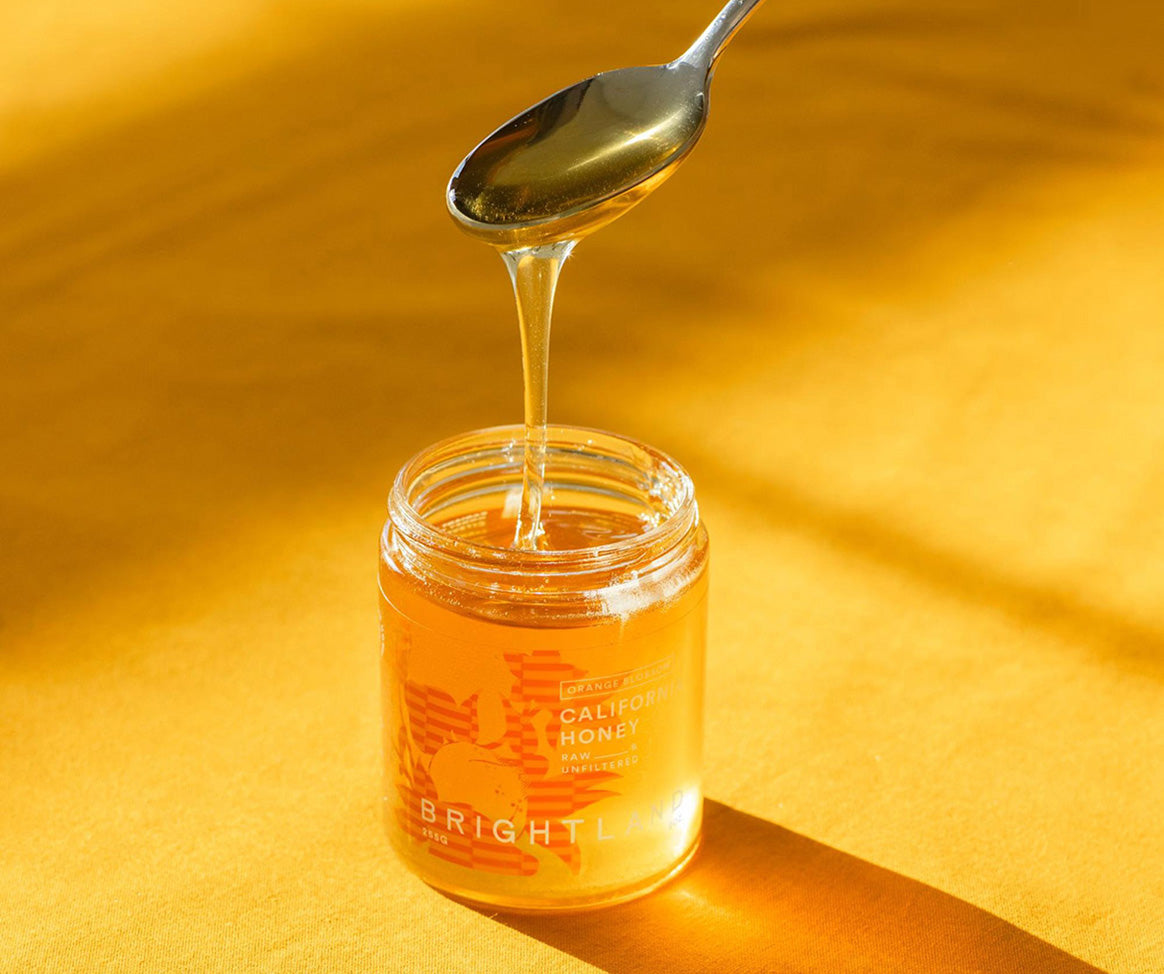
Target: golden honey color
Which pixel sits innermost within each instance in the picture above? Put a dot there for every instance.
(543, 709)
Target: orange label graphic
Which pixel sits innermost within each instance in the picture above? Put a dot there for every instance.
(499, 749)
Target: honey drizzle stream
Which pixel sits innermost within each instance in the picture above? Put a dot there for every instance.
(534, 272)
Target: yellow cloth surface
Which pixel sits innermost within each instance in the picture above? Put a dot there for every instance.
(901, 315)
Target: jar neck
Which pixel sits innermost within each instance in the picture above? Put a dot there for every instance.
(478, 471)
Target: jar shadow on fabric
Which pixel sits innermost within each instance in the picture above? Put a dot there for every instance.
(759, 897)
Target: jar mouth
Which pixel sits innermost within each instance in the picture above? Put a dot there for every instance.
(484, 466)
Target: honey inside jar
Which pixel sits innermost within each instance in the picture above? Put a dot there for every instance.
(542, 708)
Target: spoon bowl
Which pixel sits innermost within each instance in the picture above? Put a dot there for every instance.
(582, 157)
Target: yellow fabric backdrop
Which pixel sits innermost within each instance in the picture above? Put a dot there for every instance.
(901, 314)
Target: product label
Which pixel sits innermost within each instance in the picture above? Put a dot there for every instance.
(504, 756)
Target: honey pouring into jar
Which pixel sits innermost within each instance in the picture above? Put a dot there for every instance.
(544, 589)
(566, 167)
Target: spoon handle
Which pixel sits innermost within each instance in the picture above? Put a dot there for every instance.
(710, 44)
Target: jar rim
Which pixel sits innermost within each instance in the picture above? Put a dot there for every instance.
(508, 442)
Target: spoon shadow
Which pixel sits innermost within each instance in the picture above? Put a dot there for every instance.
(761, 898)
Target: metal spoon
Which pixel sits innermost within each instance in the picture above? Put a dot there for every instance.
(587, 154)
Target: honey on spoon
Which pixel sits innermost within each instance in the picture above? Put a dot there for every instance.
(564, 168)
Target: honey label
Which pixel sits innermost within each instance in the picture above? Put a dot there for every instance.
(504, 754)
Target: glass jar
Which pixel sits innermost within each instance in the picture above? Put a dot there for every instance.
(542, 709)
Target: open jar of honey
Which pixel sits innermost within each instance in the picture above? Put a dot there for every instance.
(542, 708)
